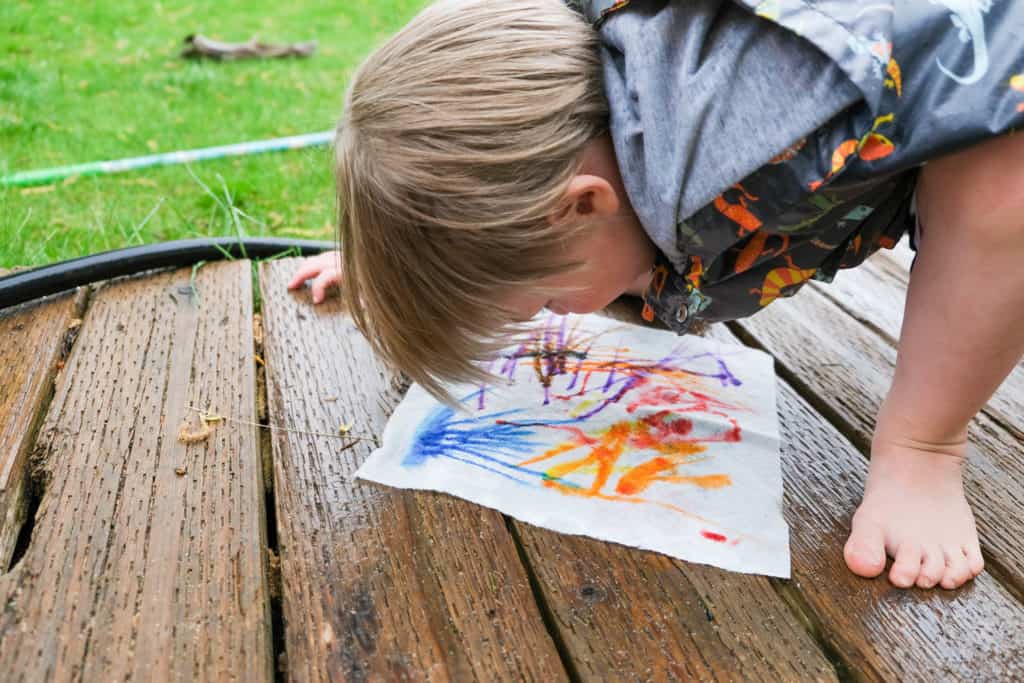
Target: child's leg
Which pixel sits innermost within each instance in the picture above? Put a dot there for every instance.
(963, 332)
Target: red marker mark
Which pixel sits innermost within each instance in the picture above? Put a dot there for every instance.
(712, 536)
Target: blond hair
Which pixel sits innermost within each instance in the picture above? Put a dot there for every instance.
(459, 138)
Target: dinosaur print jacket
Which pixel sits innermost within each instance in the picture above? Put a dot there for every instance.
(765, 144)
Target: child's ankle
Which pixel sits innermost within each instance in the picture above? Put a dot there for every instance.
(904, 430)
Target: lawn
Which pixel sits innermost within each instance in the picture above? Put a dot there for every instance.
(92, 81)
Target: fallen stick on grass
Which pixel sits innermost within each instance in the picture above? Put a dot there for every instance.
(198, 46)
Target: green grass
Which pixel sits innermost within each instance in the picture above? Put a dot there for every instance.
(92, 81)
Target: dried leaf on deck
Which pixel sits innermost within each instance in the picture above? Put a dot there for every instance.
(187, 435)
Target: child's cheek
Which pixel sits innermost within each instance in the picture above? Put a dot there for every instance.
(587, 302)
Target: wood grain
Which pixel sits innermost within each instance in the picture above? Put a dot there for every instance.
(629, 614)
(848, 369)
(33, 337)
(134, 571)
(377, 583)
(874, 295)
(883, 633)
(880, 632)
(877, 631)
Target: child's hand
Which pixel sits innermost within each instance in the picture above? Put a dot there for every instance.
(324, 269)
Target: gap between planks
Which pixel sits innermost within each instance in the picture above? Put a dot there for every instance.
(166, 366)
(994, 565)
(22, 490)
(921, 633)
(546, 610)
(610, 604)
(884, 277)
(272, 565)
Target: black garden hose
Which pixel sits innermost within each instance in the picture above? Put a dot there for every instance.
(17, 288)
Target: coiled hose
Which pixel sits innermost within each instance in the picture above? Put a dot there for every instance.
(26, 285)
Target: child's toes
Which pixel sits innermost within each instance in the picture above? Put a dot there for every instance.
(865, 550)
(907, 565)
(975, 562)
(933, 568)
(957, 570)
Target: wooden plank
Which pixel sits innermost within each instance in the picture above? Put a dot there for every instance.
(379, 584)
(874, 294)
(637, 615)
(634, 615)
(879, 632)
(882, 633)
(33, 340)
(848, 369)
(135, 572)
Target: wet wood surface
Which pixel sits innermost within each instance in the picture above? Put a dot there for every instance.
(886, 634)
(874, 295)
(146, 560)
(34, 338)
(251, 553)
(379, 584)
(847, 371)
(622, 610)
(619, 609)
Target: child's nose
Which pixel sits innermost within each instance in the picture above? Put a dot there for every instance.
(556, 308)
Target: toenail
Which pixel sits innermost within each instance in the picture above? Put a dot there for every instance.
(870, 559)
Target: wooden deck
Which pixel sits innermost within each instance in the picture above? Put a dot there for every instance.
(252, 554)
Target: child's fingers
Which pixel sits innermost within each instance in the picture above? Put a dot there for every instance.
(305, 271)
(312, 267)
(326, 279)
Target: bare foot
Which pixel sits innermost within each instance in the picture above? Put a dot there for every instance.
(914, 510)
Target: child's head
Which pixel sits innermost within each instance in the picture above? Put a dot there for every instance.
(471, 164)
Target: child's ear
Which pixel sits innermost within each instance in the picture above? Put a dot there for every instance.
(586, 196)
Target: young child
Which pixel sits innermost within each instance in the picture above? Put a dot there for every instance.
(498, 157)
